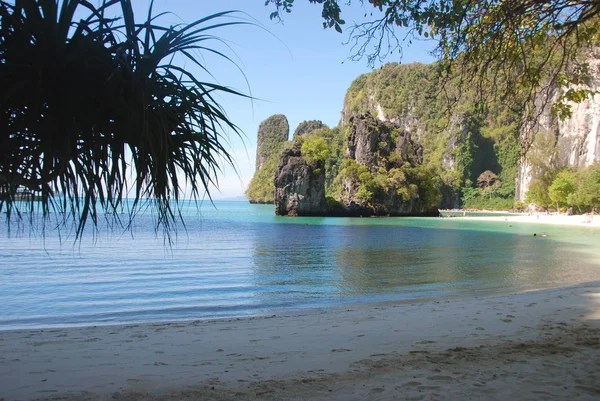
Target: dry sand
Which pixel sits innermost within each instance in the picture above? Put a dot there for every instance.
(539, 345)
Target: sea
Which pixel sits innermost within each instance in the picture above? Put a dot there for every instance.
(234, 259)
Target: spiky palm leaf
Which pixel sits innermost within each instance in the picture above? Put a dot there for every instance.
(95, 110)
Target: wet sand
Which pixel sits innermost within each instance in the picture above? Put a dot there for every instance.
(539, 345)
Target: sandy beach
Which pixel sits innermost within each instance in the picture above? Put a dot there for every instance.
(542, 218)
(538, 345)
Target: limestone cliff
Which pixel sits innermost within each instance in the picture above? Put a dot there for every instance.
(299, 185)
(399, 148)
(384, 172)
(271, 140)
(458, 146)
(554, 143)
(473, 139)
(371, 142)
(272, 132)
(376, 170)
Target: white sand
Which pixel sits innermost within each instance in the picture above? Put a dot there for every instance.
(541, 345)
(541, 218)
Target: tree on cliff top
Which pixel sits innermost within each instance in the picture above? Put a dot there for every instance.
(509, 48)
(306, 127)
(95, 110)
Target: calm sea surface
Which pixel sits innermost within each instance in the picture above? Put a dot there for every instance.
(241, 260)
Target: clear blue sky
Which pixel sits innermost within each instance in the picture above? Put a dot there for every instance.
(295, 68)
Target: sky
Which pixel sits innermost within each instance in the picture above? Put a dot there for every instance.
(295, 67)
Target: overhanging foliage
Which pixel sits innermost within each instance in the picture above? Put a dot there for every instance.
(96, 109)
(508, 48)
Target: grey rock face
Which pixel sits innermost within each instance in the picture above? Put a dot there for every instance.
(372, 141)
(552, 143)
(306, 127)
(299, 187)
(376, 146)
(381, 147)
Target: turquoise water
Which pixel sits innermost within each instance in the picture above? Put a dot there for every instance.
(241, 260)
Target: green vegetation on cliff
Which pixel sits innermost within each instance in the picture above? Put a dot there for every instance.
(469, 153)
(402, 183)
(306, 127)
(326, 146)
(261, 188)
(369, 167)
(458, 143)
(272, 138)
(272, 133)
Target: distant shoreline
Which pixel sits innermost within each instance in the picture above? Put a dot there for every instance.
(584, 220)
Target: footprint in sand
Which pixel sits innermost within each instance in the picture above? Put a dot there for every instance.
(410, 384)
(441, 378)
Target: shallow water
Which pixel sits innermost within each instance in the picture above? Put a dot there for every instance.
(240, 260)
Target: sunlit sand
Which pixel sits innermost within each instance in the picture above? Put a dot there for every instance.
(534, 345)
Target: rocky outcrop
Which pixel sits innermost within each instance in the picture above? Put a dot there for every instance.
(299, 186)
(271, 140)
(382, 176)
(553, 143)
(399, 150)
(306, 127)
(272, 132)
(389, 186)
(371, 142)
(472, 140)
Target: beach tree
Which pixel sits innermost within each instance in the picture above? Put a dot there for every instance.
(315, 149)
(486, 179)
(488, 182)
(563, 186)
(587, 194)
(538, 192)
(97, 108)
